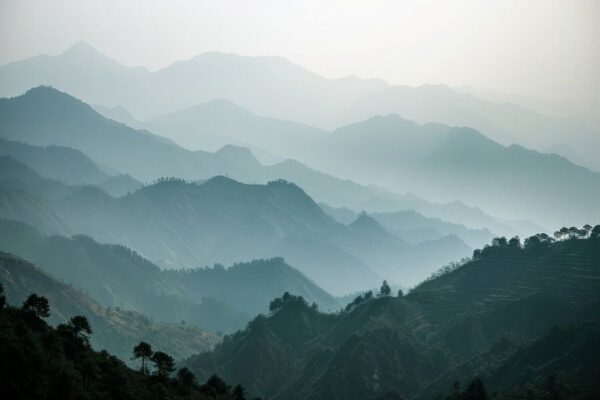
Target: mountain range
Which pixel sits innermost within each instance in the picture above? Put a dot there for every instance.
(275, 87)
(108, 142)
(216, 299)
(181, 224)
(446, 163)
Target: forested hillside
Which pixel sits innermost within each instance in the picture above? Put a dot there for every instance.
(498, 306)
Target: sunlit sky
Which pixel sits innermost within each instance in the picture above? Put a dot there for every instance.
(542, 48)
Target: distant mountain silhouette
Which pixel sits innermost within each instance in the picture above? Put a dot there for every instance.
(45, 116)
(504, 122)
(54, 162)
(448, 163)
(180, 224)
(275, 87)
(19, 205)
(195, 126)
(18, 176)
(268, 85)
(33, 117)
(413, 227)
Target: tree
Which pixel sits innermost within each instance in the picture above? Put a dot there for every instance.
(80, 324)
(143, 350)
(81, 327)
(37, 305)
(400, 293)
(595, 231)
(217, 384)
(385, 289)
(475, 391)
(2, 297)
(275, 305)
(514, 242)
(239, 393)
(164, 363)
(561, 233)
(186, 380)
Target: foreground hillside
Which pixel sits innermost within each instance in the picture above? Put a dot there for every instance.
(496, 307)
(117, 330)
(38, 361)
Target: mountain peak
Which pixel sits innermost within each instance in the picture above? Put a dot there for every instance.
(367, 224)
(82, 49)
(237, 154)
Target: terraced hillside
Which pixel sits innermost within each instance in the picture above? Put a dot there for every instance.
(399, 346)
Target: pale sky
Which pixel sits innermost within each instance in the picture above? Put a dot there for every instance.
(542, 48)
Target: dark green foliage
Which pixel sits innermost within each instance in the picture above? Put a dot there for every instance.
(163, 363)
(385, 289)
(471, 320)
(2, 296)
(358, 300)
(40, 362)
(474, 391)
(37, 305)
(284, 300)
(144, 351)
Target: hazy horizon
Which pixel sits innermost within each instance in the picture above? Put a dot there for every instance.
(412, 43)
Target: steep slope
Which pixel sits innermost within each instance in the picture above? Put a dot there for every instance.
(21, 206)
(404, 345)
(61, 163)
(562, 358)
(115, 330)
(17, 176)
(213, 298)
(33, 117)
(449, 164)
(44, 116)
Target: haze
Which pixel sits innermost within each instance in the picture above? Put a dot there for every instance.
(540, 48)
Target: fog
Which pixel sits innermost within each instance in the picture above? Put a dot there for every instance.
(540, 48)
